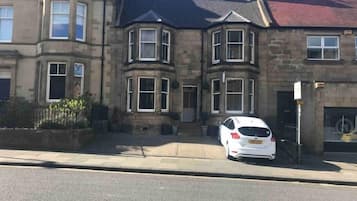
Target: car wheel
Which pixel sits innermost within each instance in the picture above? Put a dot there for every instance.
(228, 156)
(219, 138)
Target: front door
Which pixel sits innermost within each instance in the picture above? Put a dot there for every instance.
(286, 114)
(4, 89)
(189, 104)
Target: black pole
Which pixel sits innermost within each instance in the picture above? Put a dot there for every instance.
(102, 56)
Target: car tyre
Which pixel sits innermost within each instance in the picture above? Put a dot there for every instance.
(228, 156)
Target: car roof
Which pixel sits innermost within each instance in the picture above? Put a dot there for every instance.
(243, 121)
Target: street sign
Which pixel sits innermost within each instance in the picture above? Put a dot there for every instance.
(297, 90)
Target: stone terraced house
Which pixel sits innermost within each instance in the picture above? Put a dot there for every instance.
(163, 64)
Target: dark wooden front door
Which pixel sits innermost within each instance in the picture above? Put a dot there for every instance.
(4, 89)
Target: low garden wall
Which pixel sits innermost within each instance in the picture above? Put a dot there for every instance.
(59, 139)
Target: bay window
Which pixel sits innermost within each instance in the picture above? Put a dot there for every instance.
(59, 25)
(131, 46)
(216, 47)
(165, 95)
(56, 81)
(234, 95)
(147, 48)
(146, 95)
(235, 45)
(215, 95)
(6, 23)
(78, 79)
(129, 95)
(251, 47)
(81, 19)
(251, 95)
(165, 46)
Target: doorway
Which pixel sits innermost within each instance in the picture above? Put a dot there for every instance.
(189, 112)
(286, 117)
(4, 88)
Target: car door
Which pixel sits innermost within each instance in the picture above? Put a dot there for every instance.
(225, 130)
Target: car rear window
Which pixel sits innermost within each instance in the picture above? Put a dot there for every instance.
(254, 131)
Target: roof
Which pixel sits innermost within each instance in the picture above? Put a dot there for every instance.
(189, 13)
(244, 121)
(314, 13)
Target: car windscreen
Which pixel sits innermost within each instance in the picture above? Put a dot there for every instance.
(254, 131)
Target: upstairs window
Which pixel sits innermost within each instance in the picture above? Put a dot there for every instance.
(235, 45)
(59, 26)
(147, 48)
(81, 19)
(234, 95)
(6, 23)
(216, 47)
(251, 47)
(323, 48)
(165, 45)
(131, 46)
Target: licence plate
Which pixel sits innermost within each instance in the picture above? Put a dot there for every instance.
(255, 141)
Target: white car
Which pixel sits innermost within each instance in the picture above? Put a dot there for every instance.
(247, 137)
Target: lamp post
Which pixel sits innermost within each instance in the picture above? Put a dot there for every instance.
(299, 102)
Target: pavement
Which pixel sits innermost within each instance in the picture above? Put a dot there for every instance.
(180, 155)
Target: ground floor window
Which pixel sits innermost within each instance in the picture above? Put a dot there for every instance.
(340, 124)
(78, 79)
(251, 95)
(129, 95)
(164, 95)
(5, 83)
(234, 95)
(56, 82)
(146, 95)
(215, 95)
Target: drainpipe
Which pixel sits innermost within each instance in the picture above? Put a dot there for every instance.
(102, 56)
(202, 77)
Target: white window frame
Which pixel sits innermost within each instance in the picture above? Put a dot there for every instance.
(51, 18)
(235, 43)
(166, 44)
(322, 47)
(149, 42)
(82, 76)
(215, 45)
(12, 20)
(84, 21)
(128, 94)
(252, 95)
(252, 47)
(167, 93)
(355, 47)
(49, 77)
(213, 94)
(234, 93)
(131, 44)
(139, 92)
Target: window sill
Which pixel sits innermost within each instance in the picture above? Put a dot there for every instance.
(324, 62)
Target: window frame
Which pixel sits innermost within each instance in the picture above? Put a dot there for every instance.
(148, 42)
(139, 92)
(252, 47)
(131, 45)
(234, 93)
(234, 43)
(322, 47)
(82, 76)
(129, 95)
(214, 45)
(252, 95)
(84, 21)
(166, 44)
(213, 111)
(12, 23)
(167, 93)
(356, 48)
(49, 79)
(51, 19)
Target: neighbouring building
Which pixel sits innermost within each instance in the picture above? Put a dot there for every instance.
(160, 64)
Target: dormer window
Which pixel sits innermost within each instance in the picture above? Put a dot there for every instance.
(148, 41)
(235, 45)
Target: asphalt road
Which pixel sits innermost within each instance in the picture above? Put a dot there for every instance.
(39, 184)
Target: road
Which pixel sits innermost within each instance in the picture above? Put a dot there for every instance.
(39, 184)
